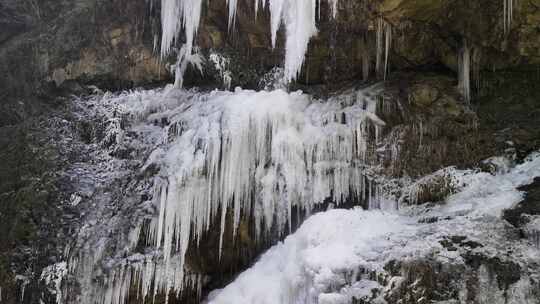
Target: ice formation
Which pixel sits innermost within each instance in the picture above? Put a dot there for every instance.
(186, 57)
(258, 153)
(221, 64)
(384, 41)
(299, 20)
(175, 16)
(331, 256)
(24, 281)
(249, 153)
(53, 276)
(147, 275)
(464, 76)
(508, 12)
(298, 17)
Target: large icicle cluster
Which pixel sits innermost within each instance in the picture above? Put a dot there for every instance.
(257, 153)
(221, 155)
(148, 276)
(298, 17)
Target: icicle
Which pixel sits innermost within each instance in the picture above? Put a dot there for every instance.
(365, 61)
(256, 8)
(508, 12)
(383, 43)
(177, 15)
(387, 44)
(299, 20)
(333, 5)
(464, 63)
(185, 57)
(298, 16)
(232, 11)
(379, 46)
(476, 58)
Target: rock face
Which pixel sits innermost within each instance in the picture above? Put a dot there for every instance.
(52, 48)
(46, 45)
(53, 45)
(523, 213)
(34, 219)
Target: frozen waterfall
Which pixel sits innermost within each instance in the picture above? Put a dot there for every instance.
(223, 155)
(258, 153)
(218, 156)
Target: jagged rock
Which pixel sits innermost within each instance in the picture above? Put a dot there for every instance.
(431, 126)
(428, 280)
(530, 206)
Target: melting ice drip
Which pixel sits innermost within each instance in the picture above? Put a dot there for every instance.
(247, 153)
(298, 17)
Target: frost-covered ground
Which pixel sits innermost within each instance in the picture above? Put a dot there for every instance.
(321, 262)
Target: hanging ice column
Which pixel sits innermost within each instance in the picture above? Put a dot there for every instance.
(259, 154)
(175, 16)
(464, 76)
(508, 14)
(384, 40)
(298, 17)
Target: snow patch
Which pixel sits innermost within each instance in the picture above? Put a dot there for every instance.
(317, 258)
(311, 265)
